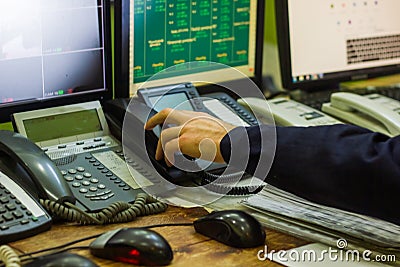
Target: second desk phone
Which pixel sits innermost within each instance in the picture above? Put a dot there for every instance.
(374, 111)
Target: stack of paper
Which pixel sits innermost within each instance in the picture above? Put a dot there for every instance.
(296, 216)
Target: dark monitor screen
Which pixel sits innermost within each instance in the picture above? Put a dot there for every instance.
(323, 43)
(53, 52)
(152, 36)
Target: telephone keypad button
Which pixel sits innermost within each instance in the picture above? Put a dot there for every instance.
(11, 207)
(83, 190)
(64, 172)
(87, 175)
(4, 200)
(93, 189)
(80, 169)
(94, 180)
(72, 171)
(86, 183)
(101, 186)
(17, 214)
(69, 178)
(24, 222)
(8, 217)
(76, 184)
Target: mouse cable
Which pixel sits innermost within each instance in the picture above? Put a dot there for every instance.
(29, 258)
(117, 212)
(65, 247)
(167, 225)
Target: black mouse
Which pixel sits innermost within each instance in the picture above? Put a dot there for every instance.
(137, 246)
(64, 259)
(234, 228)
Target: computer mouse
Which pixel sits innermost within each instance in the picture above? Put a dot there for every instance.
(234, 228)
(137, 246)
(64, 259)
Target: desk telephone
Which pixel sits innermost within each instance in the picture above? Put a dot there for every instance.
(287, 112)
(137, 110)
(375, 112)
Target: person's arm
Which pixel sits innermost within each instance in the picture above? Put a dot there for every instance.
(343, 166)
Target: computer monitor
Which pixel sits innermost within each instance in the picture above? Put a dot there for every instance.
(152, 36)
(323, 43)
(53, 52)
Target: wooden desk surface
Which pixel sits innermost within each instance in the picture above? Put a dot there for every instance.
(189, 247)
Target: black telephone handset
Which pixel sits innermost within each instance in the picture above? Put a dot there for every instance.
(28, 164)
(143, 143)
(126, 118)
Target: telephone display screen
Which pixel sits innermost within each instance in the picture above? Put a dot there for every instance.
(179, 101)
(62, 125)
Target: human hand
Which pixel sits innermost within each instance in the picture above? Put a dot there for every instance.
(196, 134)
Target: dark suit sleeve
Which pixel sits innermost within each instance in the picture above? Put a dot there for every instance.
(342, 166)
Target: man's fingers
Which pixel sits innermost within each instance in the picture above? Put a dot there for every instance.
(169, 134)
(159, 151)
(166, 135)
(170, 149)
(168, 115)
(157, 119)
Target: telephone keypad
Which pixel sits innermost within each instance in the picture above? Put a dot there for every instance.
(94, 185)
(18, 220)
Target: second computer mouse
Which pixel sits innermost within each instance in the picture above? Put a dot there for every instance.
(64, 259)
(137, 246)
(232, 227)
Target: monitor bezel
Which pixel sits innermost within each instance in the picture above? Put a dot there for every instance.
(121, 49)
(330, 82)
(6, 110)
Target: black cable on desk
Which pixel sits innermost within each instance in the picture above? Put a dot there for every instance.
(65, 247)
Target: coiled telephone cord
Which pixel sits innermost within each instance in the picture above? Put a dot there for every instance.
(118, 212)
(220, 184)
(9, 257)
